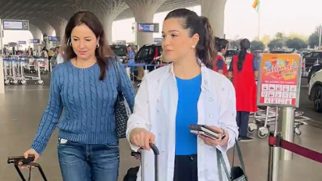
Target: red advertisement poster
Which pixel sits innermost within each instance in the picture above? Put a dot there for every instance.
(279, 80)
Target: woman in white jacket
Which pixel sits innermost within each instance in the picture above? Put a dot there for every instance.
(183, 93)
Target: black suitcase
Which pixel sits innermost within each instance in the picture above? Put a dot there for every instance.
(26, 162)
(131, 174)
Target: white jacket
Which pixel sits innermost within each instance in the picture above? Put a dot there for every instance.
(155, 110)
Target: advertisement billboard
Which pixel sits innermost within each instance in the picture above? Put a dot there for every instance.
(279, 80)
(148, 27)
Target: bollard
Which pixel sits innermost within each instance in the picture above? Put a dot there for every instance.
(274, 153)
(287, 129)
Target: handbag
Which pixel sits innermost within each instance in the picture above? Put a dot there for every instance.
(237, 173)
(122, 110)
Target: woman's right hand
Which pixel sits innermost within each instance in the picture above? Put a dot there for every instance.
(31, 152)
(142, 138)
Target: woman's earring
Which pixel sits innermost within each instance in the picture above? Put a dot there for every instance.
(193, 46)
(97, 45)
(69, 43)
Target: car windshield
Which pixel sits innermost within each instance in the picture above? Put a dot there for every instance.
(119, 50)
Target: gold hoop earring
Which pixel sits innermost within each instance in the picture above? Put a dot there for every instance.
(69, 43)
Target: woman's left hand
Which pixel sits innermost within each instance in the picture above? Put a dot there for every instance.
(223, 138)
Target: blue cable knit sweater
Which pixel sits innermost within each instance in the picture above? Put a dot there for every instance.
(82, 106)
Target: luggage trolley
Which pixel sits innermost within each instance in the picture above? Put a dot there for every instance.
(6, 70)
(34, 65)
(20, 70)
(264, 118)
(13, 66)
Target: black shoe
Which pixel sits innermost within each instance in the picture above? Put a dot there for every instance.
(245, 138)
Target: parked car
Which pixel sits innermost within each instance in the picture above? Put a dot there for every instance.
(315, 90)
(120, 51)
(312, 70)
(310, 59)
(149, 54)
(229, 56)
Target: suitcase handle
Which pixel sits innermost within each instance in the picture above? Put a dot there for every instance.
(31, 164)
(156, 154)
(154, 149)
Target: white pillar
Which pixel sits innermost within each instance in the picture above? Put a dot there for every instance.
(107, 24)
(214, 10)
(59, 25)
(35, 31)
(143, 11)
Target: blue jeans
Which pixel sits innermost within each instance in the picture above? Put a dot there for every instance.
(242, 122)
(87, 162)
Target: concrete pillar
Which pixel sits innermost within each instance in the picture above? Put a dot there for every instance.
(35, 31)
(43, 26)
(107, 24)
(59, 25)
(214, 10)
(106, 11)
(144, 11)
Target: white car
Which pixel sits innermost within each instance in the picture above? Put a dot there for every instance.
(315, 90)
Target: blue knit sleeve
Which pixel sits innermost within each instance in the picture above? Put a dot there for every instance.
(51, 114)
(126, 85)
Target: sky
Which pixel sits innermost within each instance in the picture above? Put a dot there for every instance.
(241, 20)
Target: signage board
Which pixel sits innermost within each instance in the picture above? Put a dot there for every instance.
(14, 24)
(148, 27)
(34, 41)
(279, 80)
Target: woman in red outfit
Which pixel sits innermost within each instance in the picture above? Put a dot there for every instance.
(243, 71)
(219, 64)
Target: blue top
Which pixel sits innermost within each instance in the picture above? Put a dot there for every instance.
(131, 56)
(187, 113)
(82, 106)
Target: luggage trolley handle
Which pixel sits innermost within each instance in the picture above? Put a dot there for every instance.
(156, 154)
(25, 161)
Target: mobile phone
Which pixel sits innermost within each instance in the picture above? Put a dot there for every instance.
(204, 130)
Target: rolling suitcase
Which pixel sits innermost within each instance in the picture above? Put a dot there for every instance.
(131, 174)
(25, 161)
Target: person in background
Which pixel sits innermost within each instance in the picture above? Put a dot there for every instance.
(243, 72)
(181, 94)
(81, 103)
(219, 64)
(131, 57)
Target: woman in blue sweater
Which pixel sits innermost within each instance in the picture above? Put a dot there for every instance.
(83, 91)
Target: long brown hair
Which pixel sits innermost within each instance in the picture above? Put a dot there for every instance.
(200, 25)
(244, 46)
(102, 52)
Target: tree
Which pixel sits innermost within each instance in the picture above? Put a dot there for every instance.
(265, 39)
(295, 43)
(257, 45)
(314, 39)
(279, 36)
(275, 44)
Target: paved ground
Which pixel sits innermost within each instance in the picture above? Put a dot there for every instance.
(22, 106)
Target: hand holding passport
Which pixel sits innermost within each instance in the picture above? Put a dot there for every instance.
(207, 131)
